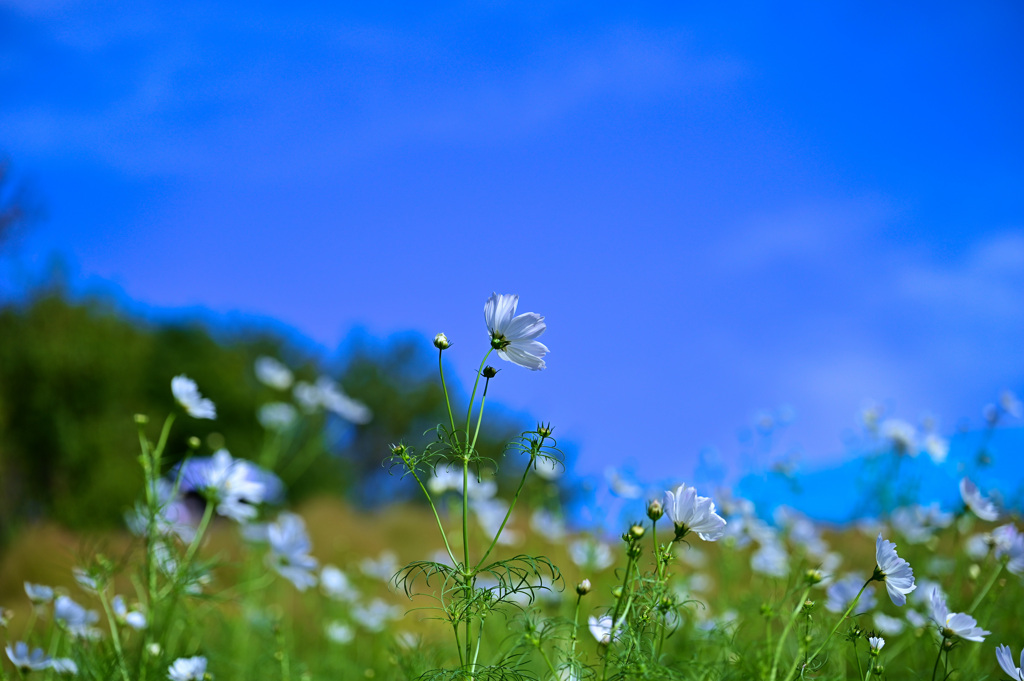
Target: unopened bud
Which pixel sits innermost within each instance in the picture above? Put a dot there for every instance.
(400, 450)
(544, 430)
(583, 588)
(141, 419)
(636, 531)
(490, 372)
(617, 592)
(193, 442)
(812, 577)
(974, 571)
(655, 510)
(441, 342)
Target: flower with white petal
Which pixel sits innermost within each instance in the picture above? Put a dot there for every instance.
(955, 624)
(133, 618)
(889, 625)
(982, 507)
(1009, 544)
(289, 551)
(692, 513)
(1005, 658)
(515, 337)
(771, 560)
(841, 593)
(186, 392)
(77, 619)
(187, 669)
(383, 567)
(336, 585)
(601, 629)
(277, 416)
(1009, 403)
(375, 615)
(272, 373)
(591, 555)
(876, 643)
(937, 447)
(64, 665)
(234, 485)
(38, 593)
(895, 572)
(901, 436)
(26, 660)
(339, 632)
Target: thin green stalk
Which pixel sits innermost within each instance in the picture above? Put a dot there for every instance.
(437, 517)
(576, 623)
(512, 505)
(842, 619)
(860, 669)
(785, 632)
(985, 589)
(547, 660)
(444, 388)
(479, 416)
(472, 395)
(615, 616)
(115, 636)
(935, 668)
(458, 643)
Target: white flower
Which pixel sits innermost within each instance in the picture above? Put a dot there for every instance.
(134, 618)
(515, 337)
(339, 632)
(187, 669)
(77, 619)
(876, 643)
(692, 513)
(1010, 404)
(64, 665)
(546, 524)
(383, 568)
(591, 555)
(937, 447)
(276, 416)
(289, 551)
(375, 616)
(621, 485)
(38, 594)
(771, 560)
(186, 392)
(955, 624)
(26, 660)
(901, 436)
(336, 585)
(334, 400)
(1005, 658)
(894, 571)
(601, 629)
(1009, 543)
(85, 580)
(234, 485)
(982, 507)
(842, 592)
(273, 373)
(889, 625)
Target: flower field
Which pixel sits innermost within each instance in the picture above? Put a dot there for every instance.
(214, 577)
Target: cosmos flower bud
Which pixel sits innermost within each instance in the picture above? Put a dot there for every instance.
(544, 430)
(194, 442)
(974, 571)
(812, 577)
(441, 342)
(636, 531)
(489, 372)
(141, 419)
(400, 450)
(655, 510)
(617, 592)
(583, 588)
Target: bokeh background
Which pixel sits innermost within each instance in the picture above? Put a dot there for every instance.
(744, 225)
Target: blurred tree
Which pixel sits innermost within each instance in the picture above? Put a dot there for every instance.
(16, 205)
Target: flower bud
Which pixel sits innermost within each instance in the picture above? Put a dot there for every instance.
(974, 571)
(194, 442)
(812, 577)
(617, 592)
(141, 419)
(544, 430)
(583, 588)
(655, 510)
(441, 342)
(636, 531)
(490, 372)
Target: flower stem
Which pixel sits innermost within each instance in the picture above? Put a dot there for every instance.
(511, 506)
(115, 636)
(576, 624)
(935, 668)
(821, 647)
(985, 589)
(444, 387)
(472, 395)
(785, 632)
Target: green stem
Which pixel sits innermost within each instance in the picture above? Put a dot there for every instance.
(512, 505)
(547, 660)
(785, 632)
(856, 656)
(472, 396)
(935, 668)
(444, 387)
(985, 589)
(842, 619)
(479, 416)
(616, 613)
(576, 624)
(437, 516)
(115, 636)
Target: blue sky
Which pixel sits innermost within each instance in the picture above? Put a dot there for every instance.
(721, 210)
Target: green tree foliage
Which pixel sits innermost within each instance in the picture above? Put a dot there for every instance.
(73, 374)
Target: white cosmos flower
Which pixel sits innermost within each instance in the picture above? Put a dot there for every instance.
(842, 592)
(234, 485)
(591, 555)
(1005, 658)
(515, 337)
(894, 571)
(187, 669)
(289, 550)
(889, 625)
(77, 619)
(901, 435)
(38, 593)
(186, 392)
(982, 507)
(336, 585)
(272, 373)
(876, 643)
(276, 416)
(1009, 543)
(133, 618)
(955, 624)
(601, 629)
(692, 513)
(26, 660)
